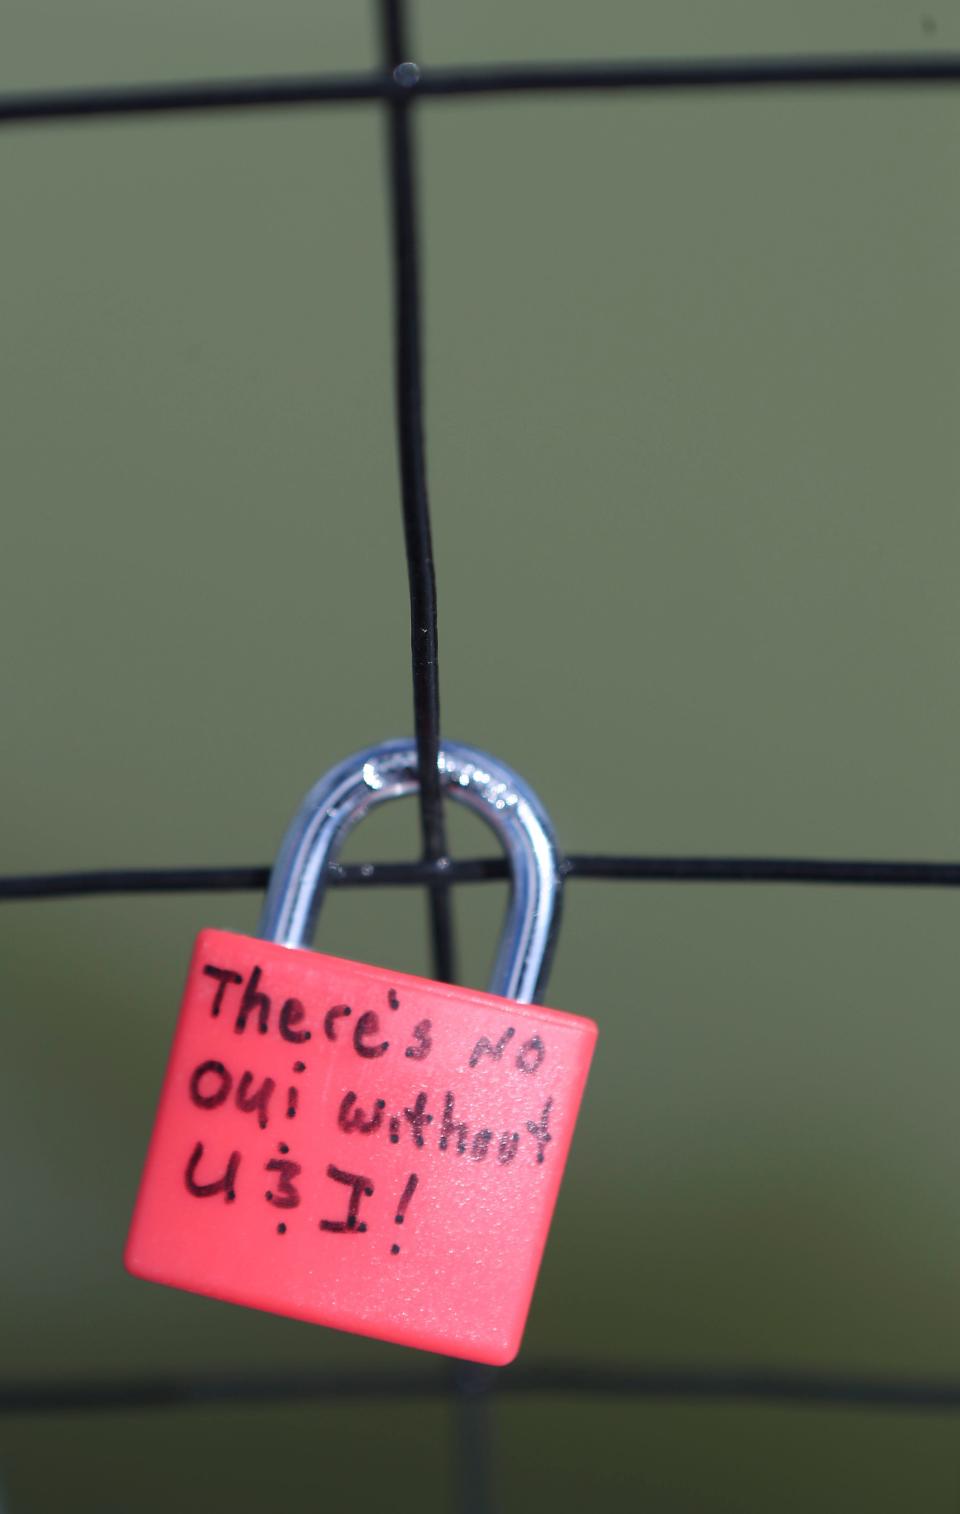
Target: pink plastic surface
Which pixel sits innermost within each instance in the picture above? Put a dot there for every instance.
(358, 1148)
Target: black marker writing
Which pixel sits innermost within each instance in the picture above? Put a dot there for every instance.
(225, 1184)
(359, 1186)
(484, 1047)
(405, 1197)
(418, 1117)
(478, 1147)
(507, 1149)
(531, 1054)
(368, 1025)
(290, 1015)
(450, 1126)
(452, 1134)
(287, 1195)
(404, 1204)
(350, 1118)
(260, 1100)
(421, 1034)
(223, 975)
(218, 1092)
(331, 1017)
(541, 1130)
(253, 999)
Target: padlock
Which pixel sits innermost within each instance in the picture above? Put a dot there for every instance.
(357, 1147)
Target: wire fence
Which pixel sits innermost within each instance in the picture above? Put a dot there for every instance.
(399, 85)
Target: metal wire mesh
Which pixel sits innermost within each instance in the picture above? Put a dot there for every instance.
(399, 88)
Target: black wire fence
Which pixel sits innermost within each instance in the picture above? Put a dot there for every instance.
(399, 85)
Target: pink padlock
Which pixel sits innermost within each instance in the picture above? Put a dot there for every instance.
(357, 1147)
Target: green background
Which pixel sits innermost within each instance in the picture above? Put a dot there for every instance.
(692, 388)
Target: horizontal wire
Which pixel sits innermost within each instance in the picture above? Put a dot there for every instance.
(177, 880)
(686, 74)
(193, 95)
(747, 1384)
(296, 90)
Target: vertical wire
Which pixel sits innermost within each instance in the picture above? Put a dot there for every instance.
(474, 1450)
(413, 487)
(475, 1438)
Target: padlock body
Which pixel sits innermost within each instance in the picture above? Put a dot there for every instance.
(359, 1148)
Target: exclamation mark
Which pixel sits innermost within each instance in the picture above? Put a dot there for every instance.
(404, 1205)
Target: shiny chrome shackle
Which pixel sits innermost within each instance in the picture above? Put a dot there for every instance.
(389, 771)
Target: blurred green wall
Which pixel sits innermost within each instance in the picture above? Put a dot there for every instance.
(692, 398)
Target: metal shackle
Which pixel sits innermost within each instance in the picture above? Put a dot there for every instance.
(389, 771)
